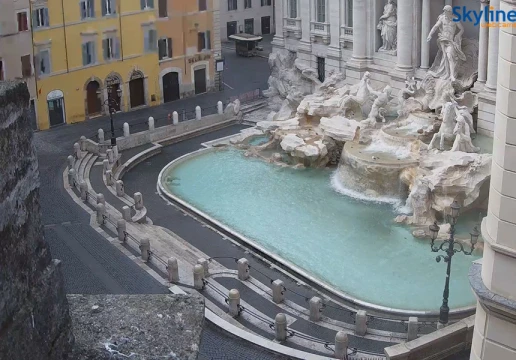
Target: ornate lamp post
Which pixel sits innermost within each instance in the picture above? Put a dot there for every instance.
(112, 106)
(450, 247)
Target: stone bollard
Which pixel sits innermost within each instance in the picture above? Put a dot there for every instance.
(121, 228)
(110, 157)
(151, 123)
(120, 188)
(243, 269)
(280, 325)
(101, 211)
(175, 118)
(204, 263)
(84, 190)
(105, 166)
(173, 270)
(101, 199)
(82, 141)
(126, 213)
(145, 249)
(127, 132)
(198, 277)
(198, 113)
(71, 161)
(110, 180)
(341, 345)
(220, 108)
(100, 136)
(77, 151)
(71, 177)
(138, 200)
(234, 302)
(440, 326)
(315, 308)
(115, 152)
(278, 291)
(412, 328)
(361, 323)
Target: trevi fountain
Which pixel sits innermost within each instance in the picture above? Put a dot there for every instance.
(340, 182)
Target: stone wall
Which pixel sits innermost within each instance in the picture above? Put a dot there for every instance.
(34, 318)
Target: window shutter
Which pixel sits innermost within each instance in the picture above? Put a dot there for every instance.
(93, 52)
(92, 8)
(105, 48)
(146, 40)
(142, 4)
(113, 6)
(84, 54)
(34, 19)
(46, 61)
(45, 15)
(208, 39)
(83, 9)
(169, 42)
(153, 40)
(36, 64)
(104, 6)
(150, 3)
(117, 48)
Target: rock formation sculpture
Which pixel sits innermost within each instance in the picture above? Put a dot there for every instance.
(388, 25)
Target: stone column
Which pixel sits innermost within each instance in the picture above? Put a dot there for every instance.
(425, 30)
(493, 280)
(359, 29)
(483, 41)
(405, 34)
(278, 36)
(492, 59)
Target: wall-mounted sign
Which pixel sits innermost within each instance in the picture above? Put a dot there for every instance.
(198, 58)
(136, 75)
(54, 94)
(219, 65)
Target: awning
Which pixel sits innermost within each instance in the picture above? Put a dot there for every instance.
(245, 37)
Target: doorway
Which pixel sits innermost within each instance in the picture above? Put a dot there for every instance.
(249, 26)
(170, 87)
(321, 68)
(55, 104)
(200, 81)
(92, 98)
(33, 119)
(137, 89)
(266, 25)
(231, 28)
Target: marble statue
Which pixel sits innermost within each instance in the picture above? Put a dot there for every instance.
(447, 127)
(410, 88)
(377, 112)
(463, 137)
(449, 41)
(388, 26)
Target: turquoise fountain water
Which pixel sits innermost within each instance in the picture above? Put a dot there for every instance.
(353, 245)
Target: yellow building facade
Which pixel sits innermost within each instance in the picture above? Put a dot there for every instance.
(188, 46)
(91, 52)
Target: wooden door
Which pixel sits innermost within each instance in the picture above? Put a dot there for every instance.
(266, 25)
(56, 111)
(136, 87)
(92, 98)
(200, 81)
(171, 87)
(231, 28)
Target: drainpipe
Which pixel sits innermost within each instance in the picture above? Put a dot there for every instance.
(120, 31)
(64, 33)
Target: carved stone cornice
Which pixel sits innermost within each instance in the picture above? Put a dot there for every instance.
(485, 2)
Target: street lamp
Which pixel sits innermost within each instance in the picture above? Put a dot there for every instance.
(450, 247)
(112, 105)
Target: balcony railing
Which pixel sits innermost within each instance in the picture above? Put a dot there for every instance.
(292, 26)
(346, 35)
(320, 30)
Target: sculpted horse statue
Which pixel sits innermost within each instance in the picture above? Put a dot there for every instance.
(448, 125)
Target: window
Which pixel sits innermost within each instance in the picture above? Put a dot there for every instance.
(248, 4)
(232, 5)
(26, 66)
(147, 4)
(321, 11)
(111, 48)
(249, 26)
(150, 40)
(87, 9)
(349, 9)
(203, 41)
(40, 18)
(23, 23)
(163, 12)
(2, 75)
(165, 48)
(88, 53)
(202, 5)
(108, 7)
(292, 9)
(321, 69)
(266, 2)
(43, 62)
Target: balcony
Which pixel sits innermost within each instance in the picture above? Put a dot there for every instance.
(346, 35)
(292, 27)
(320, 30)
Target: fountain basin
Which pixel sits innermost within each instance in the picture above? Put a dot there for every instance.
(349, 247)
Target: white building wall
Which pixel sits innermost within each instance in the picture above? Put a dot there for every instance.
(256, 12)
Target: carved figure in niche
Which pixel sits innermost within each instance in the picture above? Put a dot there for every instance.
(446, 132)
(388, 28)
(463, 137)
(450, 44)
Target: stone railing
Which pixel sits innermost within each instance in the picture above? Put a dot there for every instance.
(321, 30)
(292, 26)
(346, 35)
(436, 345)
